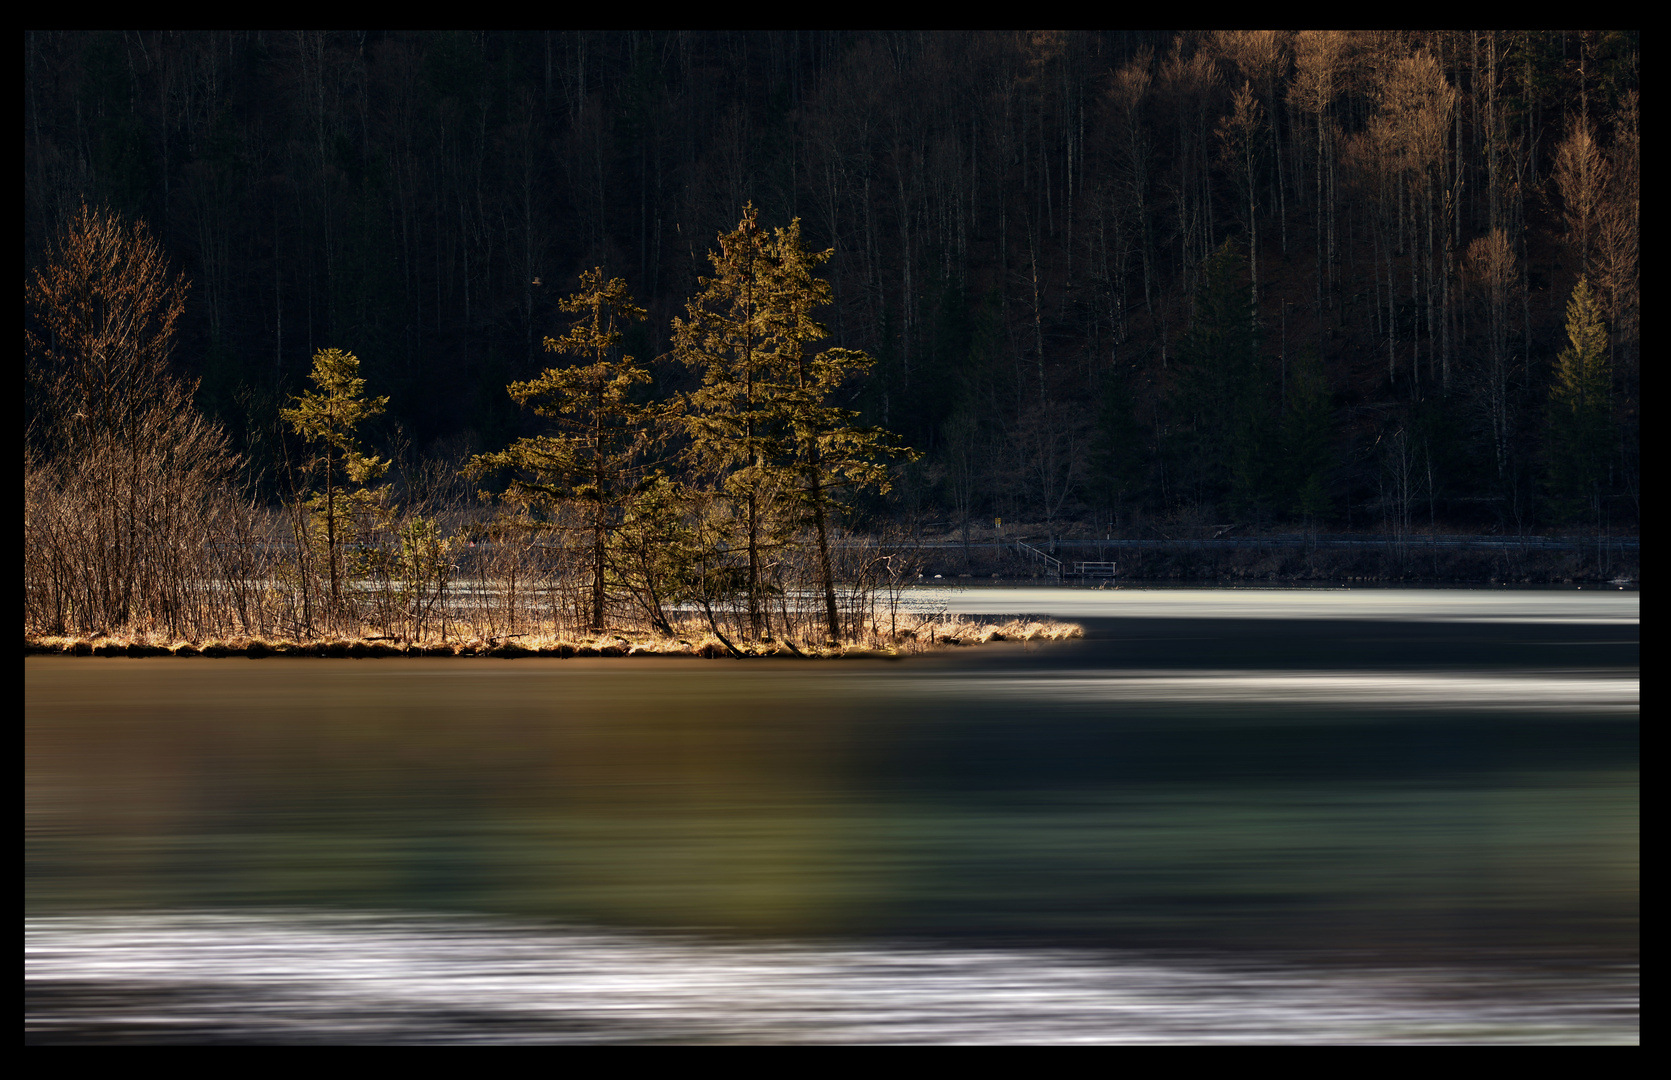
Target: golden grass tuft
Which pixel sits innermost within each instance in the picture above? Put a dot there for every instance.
(909, 636)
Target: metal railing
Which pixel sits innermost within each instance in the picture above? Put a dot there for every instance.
(1051, 562)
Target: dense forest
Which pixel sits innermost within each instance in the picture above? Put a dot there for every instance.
(1139, 281)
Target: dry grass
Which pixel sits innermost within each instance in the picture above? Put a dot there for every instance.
(912, 637)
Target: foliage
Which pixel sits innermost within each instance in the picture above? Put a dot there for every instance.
(1010, 216)
(762, 422)
(425, 565)
(1581, 406)
(328, 418)
(656, 552)
(602, 429)
(830, 456)
(331, 415)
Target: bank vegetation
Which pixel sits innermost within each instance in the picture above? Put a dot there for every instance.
(711, 524)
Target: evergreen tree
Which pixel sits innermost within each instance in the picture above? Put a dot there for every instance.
(763, 421)
(829, 455)
(1581, 405)
(655, 553)
(330, 417)
(589, 462)
(735, 426)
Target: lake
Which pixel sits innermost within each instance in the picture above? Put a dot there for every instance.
(1223, 815)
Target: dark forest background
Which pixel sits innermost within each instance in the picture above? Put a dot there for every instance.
(1163, 281)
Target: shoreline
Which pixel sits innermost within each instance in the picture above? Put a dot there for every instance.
(922, 639)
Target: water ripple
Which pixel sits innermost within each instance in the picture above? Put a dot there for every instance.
(369, 978)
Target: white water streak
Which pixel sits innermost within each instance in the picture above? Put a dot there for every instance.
(1399, 690)
(394, 979)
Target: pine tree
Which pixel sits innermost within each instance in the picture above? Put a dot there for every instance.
(829, 455)
(330, 417)
(763, 422)
(1581, 405)
(734, 424)
(589, 462)
(656, 551)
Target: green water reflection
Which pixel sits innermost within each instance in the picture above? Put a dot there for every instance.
(803, 801)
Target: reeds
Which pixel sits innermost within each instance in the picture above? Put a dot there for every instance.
(207, 572)
(916, 635)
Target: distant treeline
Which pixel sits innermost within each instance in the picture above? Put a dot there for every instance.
(1296, 278)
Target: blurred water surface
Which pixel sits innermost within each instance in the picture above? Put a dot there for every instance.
(390, 978)
(1610, 604)
(1268, 809)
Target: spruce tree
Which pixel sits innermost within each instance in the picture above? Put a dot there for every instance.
(656, 550)
(734, 422)
(330, 417)
(1581, 405)
(763, 421)
(589, 461)
(829, 454)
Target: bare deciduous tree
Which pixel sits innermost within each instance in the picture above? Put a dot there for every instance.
(121, 472)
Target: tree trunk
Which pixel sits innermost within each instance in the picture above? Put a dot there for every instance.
(825, 570)
(597, 565)
(331, 532)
